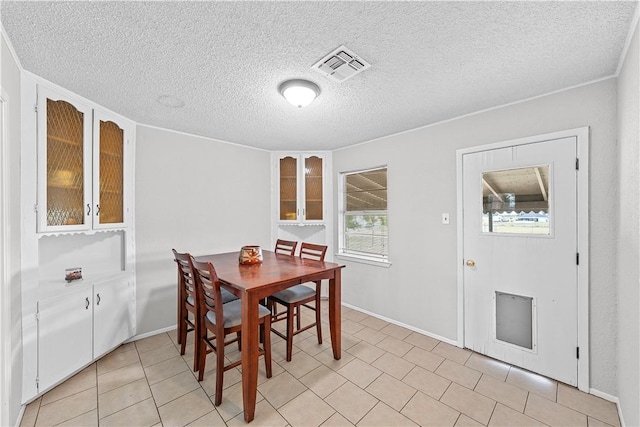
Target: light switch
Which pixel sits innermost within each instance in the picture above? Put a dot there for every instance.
(445, 218)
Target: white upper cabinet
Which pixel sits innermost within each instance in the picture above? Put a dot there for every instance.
(109, 172)
(301, 188)
(83, 159)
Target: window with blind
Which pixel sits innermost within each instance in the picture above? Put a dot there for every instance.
(364, 218)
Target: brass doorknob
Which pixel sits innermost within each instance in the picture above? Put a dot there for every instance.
(471, 263)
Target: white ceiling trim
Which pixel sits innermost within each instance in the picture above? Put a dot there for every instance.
(453, 119)
(12, 50)
(208, 138)
(632, 29)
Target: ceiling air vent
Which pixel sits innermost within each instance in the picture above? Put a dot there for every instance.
(341, 64)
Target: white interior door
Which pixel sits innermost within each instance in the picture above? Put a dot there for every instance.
(520, 250)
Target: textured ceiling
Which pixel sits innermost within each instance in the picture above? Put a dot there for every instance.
(431, 61)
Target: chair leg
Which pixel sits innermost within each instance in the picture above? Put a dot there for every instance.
(298, 317)
(290, 311)
(182, 332)
(180, 308)
(266, 344)
(219, 367)
(180, 311)
(202, 352)
(196, 346)
(318, 321)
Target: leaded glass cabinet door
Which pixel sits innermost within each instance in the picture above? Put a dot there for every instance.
(288, 183)
(109, 140)
(313, 188)
(64, 163)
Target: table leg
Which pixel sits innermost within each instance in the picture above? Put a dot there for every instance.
(335, 314)
(249, 355)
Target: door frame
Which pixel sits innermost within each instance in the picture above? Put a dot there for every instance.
(582, 223)
(5, 297)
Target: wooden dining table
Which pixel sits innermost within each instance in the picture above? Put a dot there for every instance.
(253, 283)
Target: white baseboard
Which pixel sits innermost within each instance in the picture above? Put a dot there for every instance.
(152, 333)
(610, 398)
(21, 414)
(395, 322)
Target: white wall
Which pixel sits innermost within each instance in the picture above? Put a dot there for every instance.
(196, 195)
(12, 378)
(628, 345)
(419, 289)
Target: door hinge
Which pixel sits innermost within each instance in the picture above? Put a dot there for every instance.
(577, 164)
(35, 208)
(35, 108)
(37, 384)
(577, 352)
(577, 258)
(37, 315)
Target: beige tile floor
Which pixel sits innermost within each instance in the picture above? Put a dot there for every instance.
(388, 376)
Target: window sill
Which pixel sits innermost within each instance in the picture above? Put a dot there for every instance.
(364, 260)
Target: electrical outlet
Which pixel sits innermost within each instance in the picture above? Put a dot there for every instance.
(445, 218)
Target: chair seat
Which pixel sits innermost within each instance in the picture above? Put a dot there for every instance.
(232, 313)
(294, 294)
(226, 297)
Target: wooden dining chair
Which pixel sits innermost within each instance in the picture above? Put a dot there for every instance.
(186, 304)
(297, 296)
(222, 320)
(285, 247)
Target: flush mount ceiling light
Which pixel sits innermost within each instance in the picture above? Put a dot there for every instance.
(299, 92)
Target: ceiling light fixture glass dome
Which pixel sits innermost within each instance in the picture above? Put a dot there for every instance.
(299, 92)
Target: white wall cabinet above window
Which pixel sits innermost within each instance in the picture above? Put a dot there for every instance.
(301, 188)
(83, 166)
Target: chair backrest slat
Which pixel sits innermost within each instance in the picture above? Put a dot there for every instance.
(209, 285)
(285, 247)
(312, 251)
(185, 275)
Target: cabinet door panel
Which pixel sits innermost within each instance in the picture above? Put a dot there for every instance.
(108, 170)
(313, 188)
(64, 163)
(64, 336)
(288, 189)
(111, 319)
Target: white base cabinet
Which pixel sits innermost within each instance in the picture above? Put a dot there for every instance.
(64, 336)
(111, 315)
(80, 326)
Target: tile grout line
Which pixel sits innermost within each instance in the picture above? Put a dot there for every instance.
(335, 411)
(191, 372)
(495, 405)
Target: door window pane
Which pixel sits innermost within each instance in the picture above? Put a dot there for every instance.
(516, 201)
